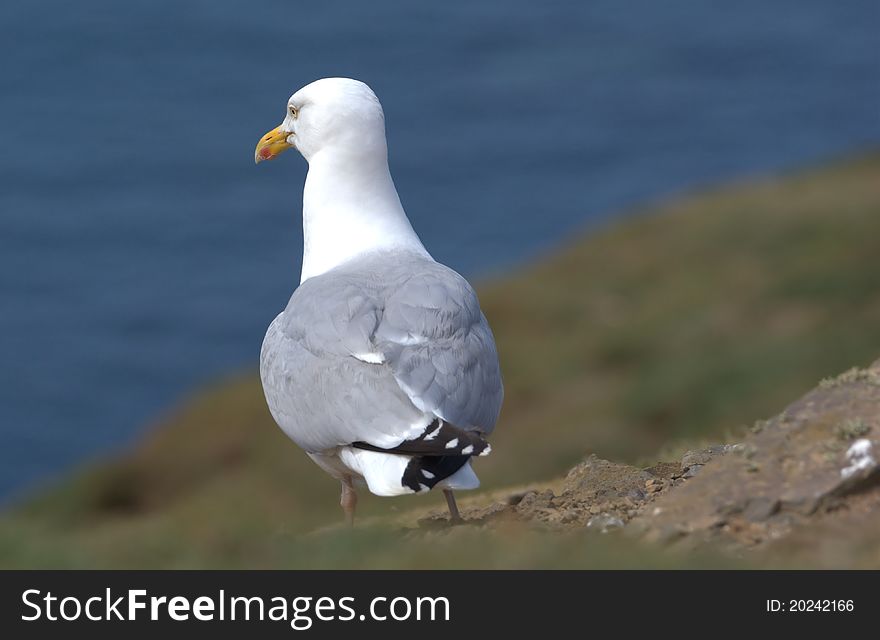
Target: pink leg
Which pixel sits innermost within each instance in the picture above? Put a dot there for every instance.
(348, 500)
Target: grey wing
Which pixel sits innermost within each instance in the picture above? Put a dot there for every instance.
(352, 360)
(319, 393)
(441, 350)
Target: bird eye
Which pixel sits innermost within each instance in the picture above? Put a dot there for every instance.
(293, 111)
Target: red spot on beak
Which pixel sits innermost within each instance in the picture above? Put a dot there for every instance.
(265, 153)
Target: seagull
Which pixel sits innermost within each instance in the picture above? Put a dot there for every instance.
(382, 367)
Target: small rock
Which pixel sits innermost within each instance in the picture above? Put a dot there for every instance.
(860, 459)
(702, 456)
(604, 523)
(692, 470)
(747, 450)
(637, 495)
(760, 508)
(533, 502)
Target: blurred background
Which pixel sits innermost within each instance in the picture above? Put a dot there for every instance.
(142, 254)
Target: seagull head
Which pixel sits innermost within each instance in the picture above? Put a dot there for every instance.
(336, 114)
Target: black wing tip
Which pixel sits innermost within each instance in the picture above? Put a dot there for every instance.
(425, 472)
(439, 439)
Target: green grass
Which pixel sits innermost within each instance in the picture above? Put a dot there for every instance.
(679, 325)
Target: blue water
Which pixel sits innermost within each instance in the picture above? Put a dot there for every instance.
(142, 253)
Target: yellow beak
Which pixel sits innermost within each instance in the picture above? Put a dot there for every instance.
(271, 145)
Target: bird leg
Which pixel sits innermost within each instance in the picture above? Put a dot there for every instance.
(454, 515)
(348, 500)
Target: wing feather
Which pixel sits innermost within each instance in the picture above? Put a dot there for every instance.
(438, 356)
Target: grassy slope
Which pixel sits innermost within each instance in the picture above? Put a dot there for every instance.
(675, 326)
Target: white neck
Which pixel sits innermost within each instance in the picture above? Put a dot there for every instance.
(350, 207)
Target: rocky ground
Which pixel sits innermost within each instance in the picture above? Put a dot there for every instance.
(805, 479)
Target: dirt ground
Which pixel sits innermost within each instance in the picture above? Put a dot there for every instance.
(803, 485)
